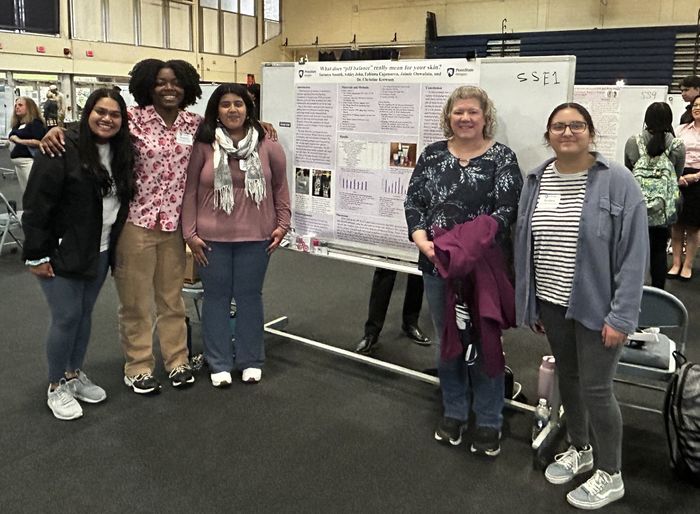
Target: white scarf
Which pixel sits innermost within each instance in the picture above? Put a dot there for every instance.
(247, 153)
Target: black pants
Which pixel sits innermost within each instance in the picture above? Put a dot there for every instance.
(658, 239)
(382, 286)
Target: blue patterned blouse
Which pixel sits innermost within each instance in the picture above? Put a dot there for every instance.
(444, 193)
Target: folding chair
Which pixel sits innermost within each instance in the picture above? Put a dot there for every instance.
(647, 359)
(9, 220)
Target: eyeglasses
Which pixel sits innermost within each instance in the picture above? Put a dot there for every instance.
(576, 127)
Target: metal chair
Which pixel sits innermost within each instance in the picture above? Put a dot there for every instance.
(10, 220)
(647, 359)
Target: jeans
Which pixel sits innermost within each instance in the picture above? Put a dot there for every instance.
(71, 302)
(586, 369)
(235, 270)
(463, 387)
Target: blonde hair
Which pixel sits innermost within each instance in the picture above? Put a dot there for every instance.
(462, 93)
(32, 112)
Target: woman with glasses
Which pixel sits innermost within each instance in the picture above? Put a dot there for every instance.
(689, 217)
(468, 179)
(581, 247)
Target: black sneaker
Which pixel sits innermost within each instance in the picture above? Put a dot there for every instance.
(487, 441)
(450, 431)
(181, 376)
(143, 383)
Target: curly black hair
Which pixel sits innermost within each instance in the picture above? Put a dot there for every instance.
(143, 80)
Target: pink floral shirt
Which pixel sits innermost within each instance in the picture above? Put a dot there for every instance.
(161, 156)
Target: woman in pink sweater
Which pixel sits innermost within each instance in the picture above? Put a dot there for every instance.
(235, 213)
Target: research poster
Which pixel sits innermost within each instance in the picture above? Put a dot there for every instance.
(360, 127)
(604, 105)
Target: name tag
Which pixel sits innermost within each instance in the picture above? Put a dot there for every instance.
(183, 139)
(548, 202)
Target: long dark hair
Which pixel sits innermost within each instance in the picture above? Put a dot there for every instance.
(658, 120)
(207, 128)
(122, 155)
(143, 80)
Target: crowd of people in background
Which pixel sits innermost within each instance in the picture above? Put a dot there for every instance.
(129, 188)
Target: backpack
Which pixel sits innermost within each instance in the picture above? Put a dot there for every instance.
(682, 417)
(657, 178)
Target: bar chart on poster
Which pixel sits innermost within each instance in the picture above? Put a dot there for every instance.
(359, 128)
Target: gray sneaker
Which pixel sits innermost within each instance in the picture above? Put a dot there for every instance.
(84, 390)
(62, 403)
(597, 491)
(569, 464)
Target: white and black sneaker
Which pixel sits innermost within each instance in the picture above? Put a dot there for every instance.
(450, 431)
(181, 376)
(487, 441)
(143, 383)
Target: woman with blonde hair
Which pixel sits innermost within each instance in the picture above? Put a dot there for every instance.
(27, 130)
(466, 188)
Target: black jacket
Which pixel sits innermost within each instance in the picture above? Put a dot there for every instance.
(62, 216)
(687, 116)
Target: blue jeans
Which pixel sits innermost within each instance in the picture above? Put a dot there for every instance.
(463, 387)
(71, 301)
(235, 270)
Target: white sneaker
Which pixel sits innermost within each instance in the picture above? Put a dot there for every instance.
(83, 389)
(220, 379)
(62, 403)
(597, 491)
(252, 375)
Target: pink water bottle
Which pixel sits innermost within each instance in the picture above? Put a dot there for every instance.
(545, 380)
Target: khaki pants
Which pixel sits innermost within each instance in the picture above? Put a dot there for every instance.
(150, 266)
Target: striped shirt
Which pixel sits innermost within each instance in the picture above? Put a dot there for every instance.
(555, 225)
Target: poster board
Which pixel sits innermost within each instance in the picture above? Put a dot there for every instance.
(618, 113)
(359, 126)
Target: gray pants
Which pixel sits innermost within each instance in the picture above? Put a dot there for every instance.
(586, 369)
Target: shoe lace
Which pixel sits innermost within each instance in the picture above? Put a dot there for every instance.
(569, 459)
(179, 369)
(597, 482)
(141, 376)
(63, 393)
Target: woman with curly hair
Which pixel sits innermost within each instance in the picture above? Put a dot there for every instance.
(27, 130)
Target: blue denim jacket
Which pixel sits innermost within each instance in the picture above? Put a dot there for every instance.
(611, 256)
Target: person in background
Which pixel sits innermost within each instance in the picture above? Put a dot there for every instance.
(61, 103)
(581, 246)
(690, 88)
(688, 224)
(50, 109)
(657, 139)
(74, 209)
(27, 130)
(235, 212)
(454, 181)
(379, 298)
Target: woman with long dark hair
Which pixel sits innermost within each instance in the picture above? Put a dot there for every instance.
(656, 144)
(580, 254)
(27, 130)
(235, 212)
(74, 209)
